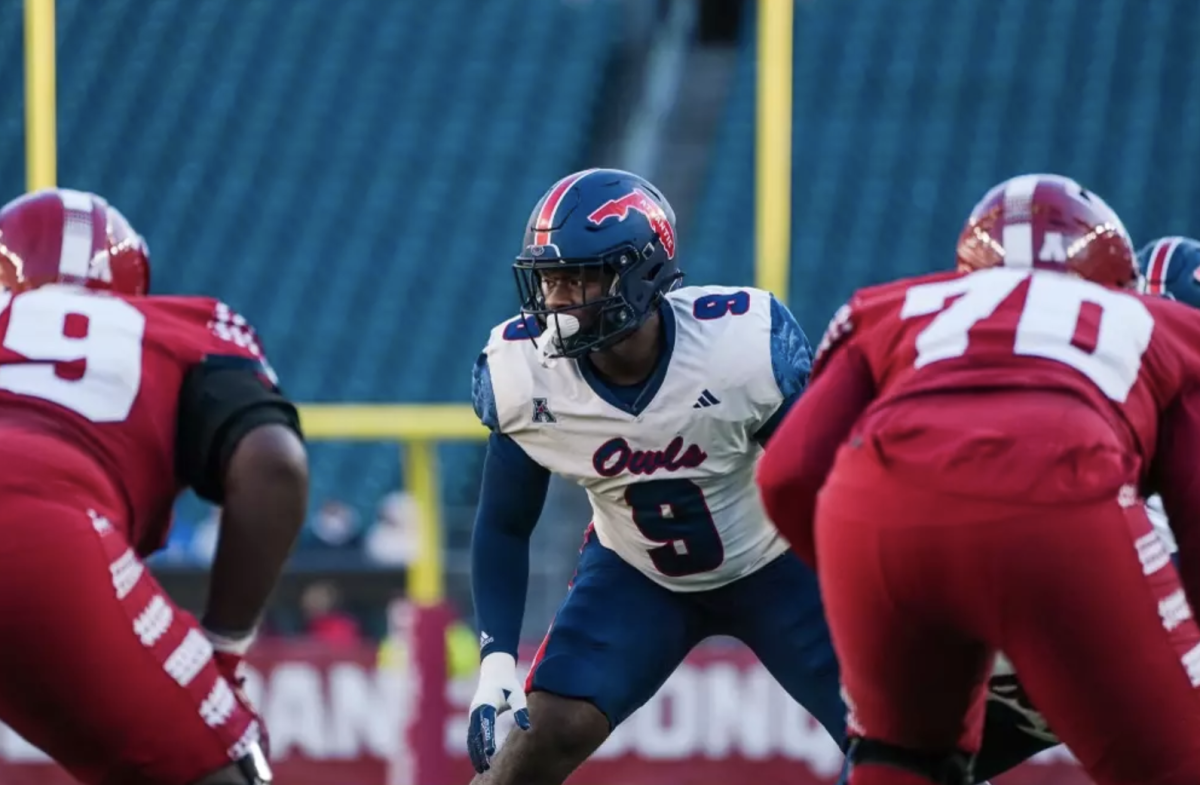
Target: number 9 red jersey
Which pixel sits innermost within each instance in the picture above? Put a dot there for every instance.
(94, 397)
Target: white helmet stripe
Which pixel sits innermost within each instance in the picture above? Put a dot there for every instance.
(75, 253)
(1018, 213)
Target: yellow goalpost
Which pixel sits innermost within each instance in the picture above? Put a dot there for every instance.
(773, 146)
(418, 428)
(41, 134)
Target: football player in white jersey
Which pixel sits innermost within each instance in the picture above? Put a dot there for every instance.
(655, 398)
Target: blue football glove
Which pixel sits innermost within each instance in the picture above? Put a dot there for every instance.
(499, 690)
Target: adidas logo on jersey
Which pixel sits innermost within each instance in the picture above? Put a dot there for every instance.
(705, 400)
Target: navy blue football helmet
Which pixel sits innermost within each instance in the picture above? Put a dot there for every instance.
(606, 223)
(1170, 268)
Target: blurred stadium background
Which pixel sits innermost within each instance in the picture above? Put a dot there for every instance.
(354, 176)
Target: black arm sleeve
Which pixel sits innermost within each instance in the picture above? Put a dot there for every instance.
(223, 399)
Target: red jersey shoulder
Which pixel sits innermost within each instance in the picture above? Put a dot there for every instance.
(1182, 318)
(205, 325)
(839, 329)
(864, 307)
(1176, 329)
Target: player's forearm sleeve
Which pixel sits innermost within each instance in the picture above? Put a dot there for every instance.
(1175, 462)
(802, 451)
(510, 502)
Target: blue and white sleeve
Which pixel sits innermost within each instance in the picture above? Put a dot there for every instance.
(483, 395)
(791, 364)
(511, 498)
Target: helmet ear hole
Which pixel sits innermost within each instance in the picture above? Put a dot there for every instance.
(653, 272)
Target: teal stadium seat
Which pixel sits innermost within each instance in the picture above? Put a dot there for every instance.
(353, 176)
(906, 112)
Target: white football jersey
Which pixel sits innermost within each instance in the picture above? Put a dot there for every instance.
(670, 478)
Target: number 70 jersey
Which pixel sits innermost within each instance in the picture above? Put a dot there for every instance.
(1004, 329)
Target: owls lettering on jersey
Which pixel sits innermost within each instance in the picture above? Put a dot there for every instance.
(670, 478)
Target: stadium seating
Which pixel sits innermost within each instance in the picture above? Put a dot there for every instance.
(907, 112)
(353, 176)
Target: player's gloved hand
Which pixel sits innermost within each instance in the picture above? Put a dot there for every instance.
(229, 655)
(498, 691)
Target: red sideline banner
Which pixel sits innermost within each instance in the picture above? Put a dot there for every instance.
(336, 717)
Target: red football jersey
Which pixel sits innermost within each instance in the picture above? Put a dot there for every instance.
(1127, 356)
(89, 395)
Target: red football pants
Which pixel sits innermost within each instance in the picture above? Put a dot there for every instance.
(922, 587)
(98, 667)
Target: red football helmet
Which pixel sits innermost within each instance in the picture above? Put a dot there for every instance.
(62, 236)
(1048, 222)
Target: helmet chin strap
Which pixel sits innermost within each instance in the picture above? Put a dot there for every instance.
(559, 327)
